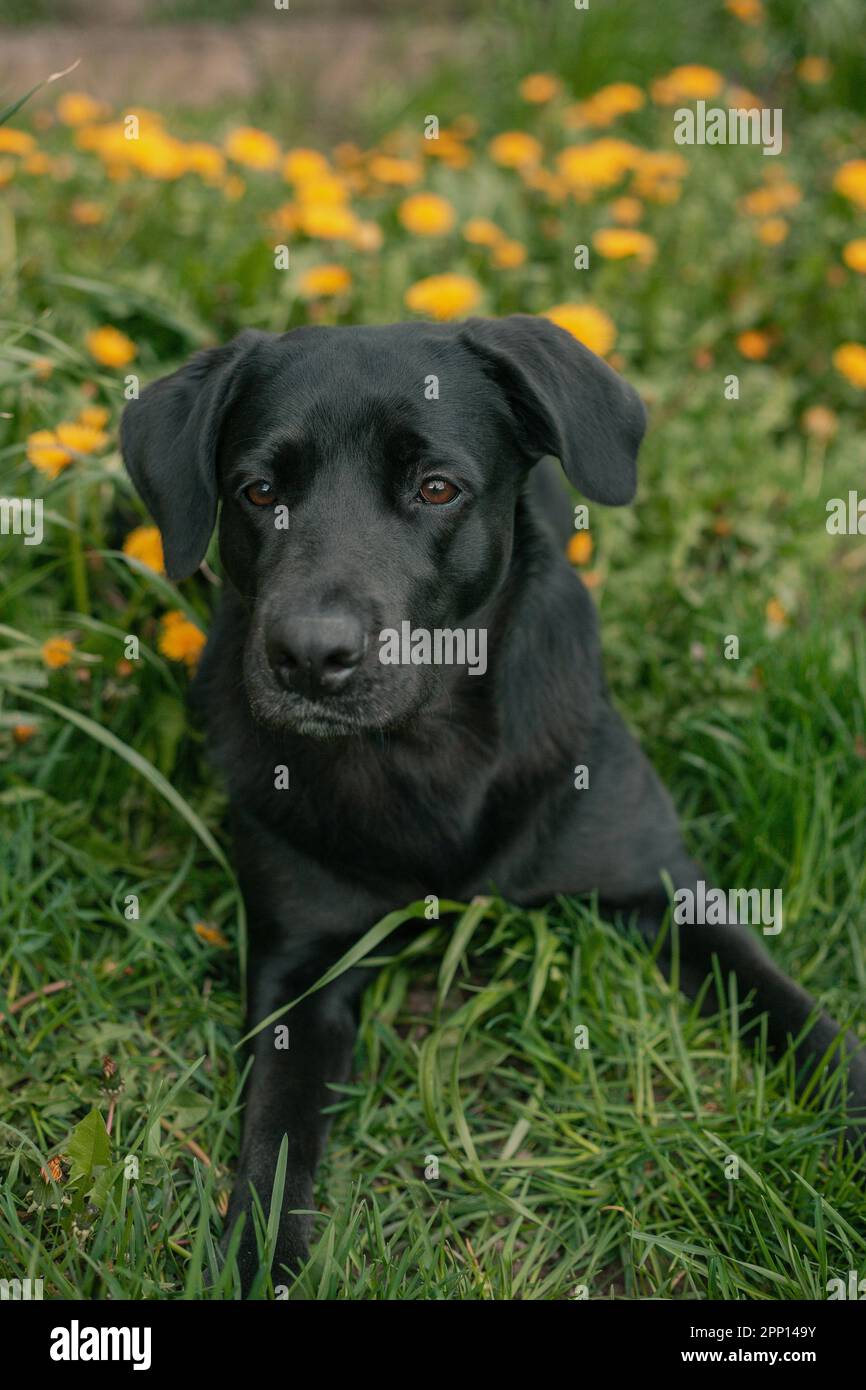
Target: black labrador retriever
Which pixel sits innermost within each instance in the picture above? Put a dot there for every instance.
(380, 481)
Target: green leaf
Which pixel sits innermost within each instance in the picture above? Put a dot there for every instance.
(89, 1147)
(105, 1180)
(170, 721)
(463, 933)
(9, 111)
(368, 942)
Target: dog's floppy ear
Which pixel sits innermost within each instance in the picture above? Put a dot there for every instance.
(565, 401)
(169, 439)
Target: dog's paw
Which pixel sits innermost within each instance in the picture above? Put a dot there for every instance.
(289, 1257)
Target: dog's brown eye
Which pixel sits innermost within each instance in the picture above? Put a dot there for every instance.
(261, 494)
(438, 491)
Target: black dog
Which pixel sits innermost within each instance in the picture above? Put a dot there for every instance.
(372, 477)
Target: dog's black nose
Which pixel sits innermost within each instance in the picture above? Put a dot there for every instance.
(315, 655)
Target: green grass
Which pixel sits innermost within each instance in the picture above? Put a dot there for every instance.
(559, 1169)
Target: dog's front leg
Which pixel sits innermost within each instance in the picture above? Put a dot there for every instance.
(295, 1061)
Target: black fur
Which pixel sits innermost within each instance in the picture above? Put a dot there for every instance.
(407, 781)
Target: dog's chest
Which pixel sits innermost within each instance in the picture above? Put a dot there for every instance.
(421, 820)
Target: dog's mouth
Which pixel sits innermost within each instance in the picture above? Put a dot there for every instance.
(378, 697)
(315, 719)
(366, 707)
(326, 718)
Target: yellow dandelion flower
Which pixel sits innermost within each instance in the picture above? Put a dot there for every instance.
(553, 186)
(605, 106)
(347, 155)
(626, 211)
(687, 83)
(426, 214)
(212, 936)
(772, 198)
(599, 164)
(754, 344)
(658, 174)
(854, 254)
(622, 98)
(109, 141)
(443, 297)
(743, 99)
(463, 127)
(38, 164)
(402, 172)
(820, 422)
(284, 218)
(580, 548)
(814, 70)
(53, 450)
(331, 191)
(81, 438)
(591, 326)
(255, 149)
(16, 141)
(448, 150)
(46, 453)
(657, 190)
(540, 87)
(322, 281)
(850, 181)
(327, 222)
(78, 108)
(158, 155)
(850, 360)
(110, 347)
(145, 544)
(773, 231)
(480, 231)
(367, 236)
(86, 213)
(96, 416)
(514, 149)
(746, 11)
(57, 652)
(302, 166)
(776, 613)
(179, 639)
(618, 243)
(508, 255)
(205, 160)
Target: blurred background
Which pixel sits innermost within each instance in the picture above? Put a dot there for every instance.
(325, 55)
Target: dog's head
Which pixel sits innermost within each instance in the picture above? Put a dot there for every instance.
(369, 479)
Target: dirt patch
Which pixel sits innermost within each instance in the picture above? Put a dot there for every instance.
(203, 64)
